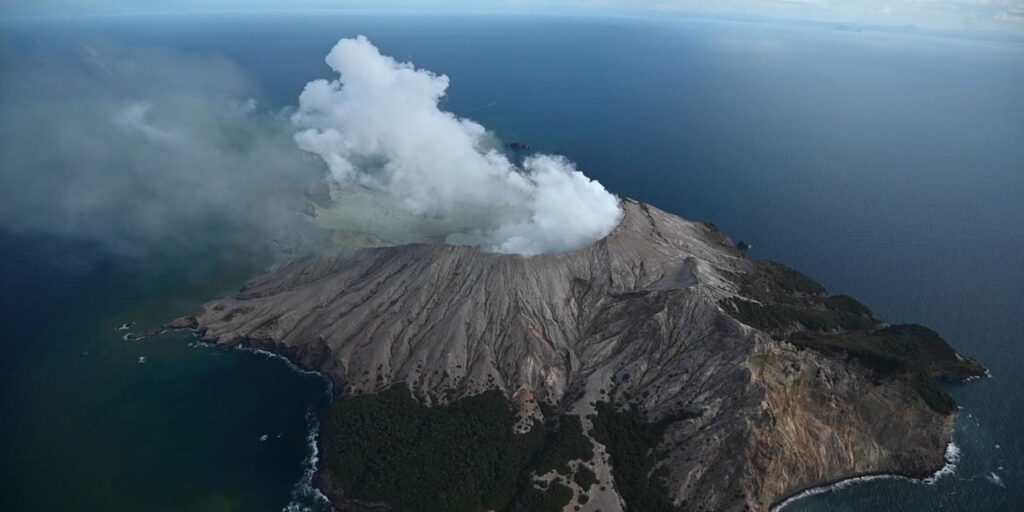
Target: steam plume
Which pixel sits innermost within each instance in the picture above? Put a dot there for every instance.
(381, 133)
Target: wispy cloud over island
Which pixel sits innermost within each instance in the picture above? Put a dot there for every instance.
(141, 147)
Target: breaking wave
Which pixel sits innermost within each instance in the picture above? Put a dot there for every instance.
(952, 458)
(305, 497)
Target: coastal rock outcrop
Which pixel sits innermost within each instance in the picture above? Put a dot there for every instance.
(747, 379)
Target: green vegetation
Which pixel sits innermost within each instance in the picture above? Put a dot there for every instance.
(790, 305)
(773, 281)
(781, 317)
(632, 442)
(784, 300)
(463, 456)
(932, 393)
(460, 457)
(901, 345)
(563, 445)
(847, 304)
(913, 351)
(585, 477)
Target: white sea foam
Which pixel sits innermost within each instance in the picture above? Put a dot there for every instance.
(200, 343)
(987, 375)
(292, 366)
(995, 479)
(952, 458)
(305, 496)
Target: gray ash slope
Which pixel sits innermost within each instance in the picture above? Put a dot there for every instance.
(767, 384)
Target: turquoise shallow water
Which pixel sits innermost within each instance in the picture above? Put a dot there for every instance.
(888, 167)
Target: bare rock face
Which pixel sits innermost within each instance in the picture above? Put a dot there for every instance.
(763, 383)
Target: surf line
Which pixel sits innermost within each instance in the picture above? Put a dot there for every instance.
(952, 458)
(305, 496)
(291, 366)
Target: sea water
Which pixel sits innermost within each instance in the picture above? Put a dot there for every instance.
(888, 166)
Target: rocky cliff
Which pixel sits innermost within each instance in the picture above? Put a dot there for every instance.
(749, 381)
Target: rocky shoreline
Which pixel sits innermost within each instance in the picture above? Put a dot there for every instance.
(952, 457)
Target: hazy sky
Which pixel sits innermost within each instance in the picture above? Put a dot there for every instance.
(1001, 15)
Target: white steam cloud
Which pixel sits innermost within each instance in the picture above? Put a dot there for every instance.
(385, 140)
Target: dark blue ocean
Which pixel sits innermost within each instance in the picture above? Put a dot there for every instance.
(887, 166)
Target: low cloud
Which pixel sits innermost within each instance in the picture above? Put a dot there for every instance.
(142, 148)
